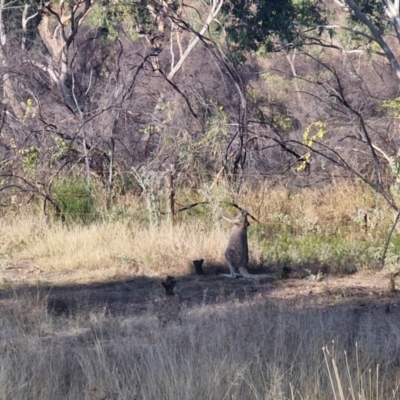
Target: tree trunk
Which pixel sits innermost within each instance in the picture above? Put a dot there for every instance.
(8, 91)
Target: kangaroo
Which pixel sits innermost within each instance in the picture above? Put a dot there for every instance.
(237, 252)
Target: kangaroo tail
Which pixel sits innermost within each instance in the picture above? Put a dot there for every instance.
(243, 271)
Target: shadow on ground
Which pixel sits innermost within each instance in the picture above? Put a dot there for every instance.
(133, 296)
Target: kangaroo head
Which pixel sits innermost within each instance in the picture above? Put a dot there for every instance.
(240, 221)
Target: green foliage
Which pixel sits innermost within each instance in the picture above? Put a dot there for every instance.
(110, 14)
(336, 252)
(125, 183)
(217, 127)
(28, 108)
(199, 153)
(392, 259)
(272, 109)
(61, 146)
(373, 11)
(152, 183)
(353, 37)
(277, 82)
(282, 122)
(62, 149)
(75, 201)
(308, 141)
(30, 158)
(256, 97)
(135, 17)
(393, 105)
(267, 24)
(150, 129)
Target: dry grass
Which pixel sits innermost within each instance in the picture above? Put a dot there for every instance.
(112, 249)
(256, 348)
(250, 350)
(326, 209)
(322, 226)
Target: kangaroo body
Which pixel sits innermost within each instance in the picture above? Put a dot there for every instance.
(237, 251)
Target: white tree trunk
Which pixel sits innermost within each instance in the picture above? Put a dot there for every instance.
(215, 9)
(375, 33)
(9, 94)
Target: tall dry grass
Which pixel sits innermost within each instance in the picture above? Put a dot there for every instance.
(113, 248)
(249, 350)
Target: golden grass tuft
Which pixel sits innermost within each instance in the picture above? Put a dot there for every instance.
(116, 248)
(327, 207)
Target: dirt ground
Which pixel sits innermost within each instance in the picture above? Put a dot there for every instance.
(136, 295)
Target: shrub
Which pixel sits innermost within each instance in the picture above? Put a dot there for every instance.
(75, 200)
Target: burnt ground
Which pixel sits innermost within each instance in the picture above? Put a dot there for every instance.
(137, 295)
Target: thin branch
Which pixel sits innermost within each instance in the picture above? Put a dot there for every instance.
(383, 257)
(52, 73)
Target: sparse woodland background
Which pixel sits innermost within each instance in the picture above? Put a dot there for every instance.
(102, 102)
(110, 108)
(113, 95)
